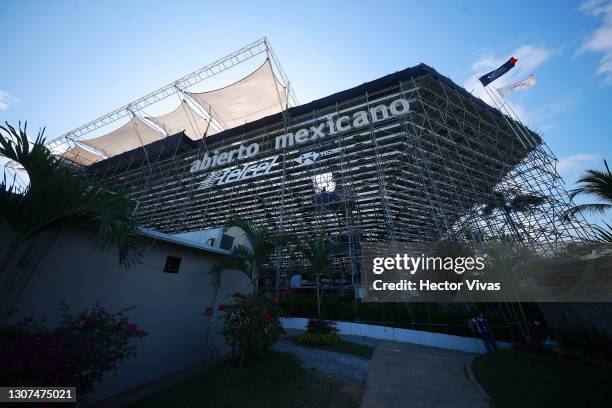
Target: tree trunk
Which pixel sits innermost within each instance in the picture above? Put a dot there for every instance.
(278, 273)
(318, 299)
(255, 280)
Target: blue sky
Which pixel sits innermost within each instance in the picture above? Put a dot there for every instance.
(65, 63)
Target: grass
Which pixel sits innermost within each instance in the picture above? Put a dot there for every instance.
(276, 380)
(345, 347)
(515, 379)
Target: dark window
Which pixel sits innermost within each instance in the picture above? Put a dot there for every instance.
(172, 264)
(227, 241)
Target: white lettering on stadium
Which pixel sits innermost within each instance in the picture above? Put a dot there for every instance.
(330, 125)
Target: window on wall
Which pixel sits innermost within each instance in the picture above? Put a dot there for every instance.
(227, 241)
(173, 263)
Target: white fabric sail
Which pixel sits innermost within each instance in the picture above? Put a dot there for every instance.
(81, 156)
(184, 118)
(254, 97)
(525, 83)
(133, 134)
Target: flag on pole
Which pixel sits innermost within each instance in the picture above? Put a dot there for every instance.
(486, 79)
(525, 83)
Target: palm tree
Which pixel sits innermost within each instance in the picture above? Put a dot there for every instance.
(250, 259)
(55, 199)
(319, 252)
(597, 183)
(519, 203)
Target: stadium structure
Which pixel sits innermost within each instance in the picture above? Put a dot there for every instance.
(410, 156)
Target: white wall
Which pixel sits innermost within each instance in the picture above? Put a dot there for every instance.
(440, 340)
(168, 306)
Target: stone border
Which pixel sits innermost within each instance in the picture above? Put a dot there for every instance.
(470, 375)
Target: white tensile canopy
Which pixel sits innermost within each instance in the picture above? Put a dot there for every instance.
(81, 156)
(184, 118)
(254, 97)
(258, 95)
(133, 134)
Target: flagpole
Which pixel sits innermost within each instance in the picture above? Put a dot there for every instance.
(501, 108)
(514, 116)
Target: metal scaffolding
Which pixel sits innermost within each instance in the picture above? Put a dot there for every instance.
(423, 175)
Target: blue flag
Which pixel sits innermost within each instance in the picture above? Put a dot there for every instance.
(486, 79)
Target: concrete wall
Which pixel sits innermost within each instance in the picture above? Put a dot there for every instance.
(440, 340)
(169, 306)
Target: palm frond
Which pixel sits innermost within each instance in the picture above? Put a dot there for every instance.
(603, 234)
(497, 201)
(593, 208)
(58, 198)
(524, 202)
(319, 251)
(230, 262)
(595, 182)
(249, 230)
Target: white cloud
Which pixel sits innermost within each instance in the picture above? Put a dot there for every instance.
(600, 41)
(529, 58)
(570, 164)
(6, 99)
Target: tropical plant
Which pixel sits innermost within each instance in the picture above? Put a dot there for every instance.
(251, 325)
(318, 326)
(56, 198)
(320, 333)
(508, 203)
(76, 353)
(319, 251)
(250, 259)
(603, 234)
(597, 183)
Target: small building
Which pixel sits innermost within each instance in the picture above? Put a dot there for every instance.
(169, 288)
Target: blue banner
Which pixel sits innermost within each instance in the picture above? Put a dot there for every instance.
(486, 79)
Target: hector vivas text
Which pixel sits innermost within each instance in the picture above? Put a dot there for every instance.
(404, 263)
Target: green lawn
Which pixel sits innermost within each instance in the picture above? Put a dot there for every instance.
(345, 347)
(276, 380)
(515, 379)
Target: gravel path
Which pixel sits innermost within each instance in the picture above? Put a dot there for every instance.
(346, 367)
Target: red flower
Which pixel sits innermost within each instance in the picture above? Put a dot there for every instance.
(208, 311)
(275, 301)
(222, 307)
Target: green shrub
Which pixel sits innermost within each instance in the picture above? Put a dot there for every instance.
(251, 325)
(77, 353)
(316, 326)
(319, 339)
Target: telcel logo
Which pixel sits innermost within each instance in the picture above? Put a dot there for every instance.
(235, 174)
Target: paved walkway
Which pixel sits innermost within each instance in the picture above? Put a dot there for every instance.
(346, 367)
(409, 375)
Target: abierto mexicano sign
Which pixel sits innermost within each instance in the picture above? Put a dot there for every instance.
(325, 126)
